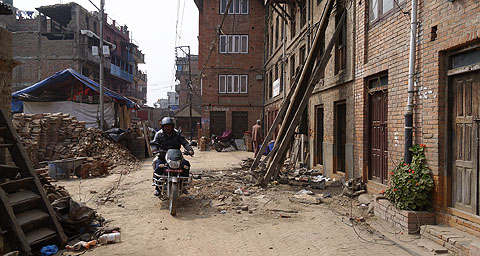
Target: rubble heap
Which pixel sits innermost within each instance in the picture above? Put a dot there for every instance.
(48, 137)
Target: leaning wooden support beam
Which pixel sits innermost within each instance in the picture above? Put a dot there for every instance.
(276, 122)
(303, 81)
(300, 108)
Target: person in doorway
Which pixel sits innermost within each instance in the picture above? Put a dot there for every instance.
(169, 138)
(257, 137)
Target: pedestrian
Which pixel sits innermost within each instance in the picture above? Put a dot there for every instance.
(257, 137)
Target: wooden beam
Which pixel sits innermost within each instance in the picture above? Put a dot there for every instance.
(300, 108)
(276, 122)
(8, 171)
(282, 11)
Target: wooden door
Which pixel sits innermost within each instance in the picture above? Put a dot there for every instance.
(340, 136)
(378, 147)
(465, 91)
(239, 123)
(319, 133)
(217, 122)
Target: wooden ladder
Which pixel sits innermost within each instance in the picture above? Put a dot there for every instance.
(26, 216)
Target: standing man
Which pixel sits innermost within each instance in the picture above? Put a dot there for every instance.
(257, 137)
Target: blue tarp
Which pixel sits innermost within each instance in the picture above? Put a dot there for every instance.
(63, 81)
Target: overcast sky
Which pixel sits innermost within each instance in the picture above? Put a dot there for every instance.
(152, 24)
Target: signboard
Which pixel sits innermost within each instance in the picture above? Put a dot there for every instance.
(276, 88)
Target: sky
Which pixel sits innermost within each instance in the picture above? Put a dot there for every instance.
(152, 24)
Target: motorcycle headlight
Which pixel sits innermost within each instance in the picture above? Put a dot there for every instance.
(174, 164)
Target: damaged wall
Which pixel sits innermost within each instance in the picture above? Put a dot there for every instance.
(6, 66)
(40, 58)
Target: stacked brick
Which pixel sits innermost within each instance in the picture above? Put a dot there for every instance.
(48, 137)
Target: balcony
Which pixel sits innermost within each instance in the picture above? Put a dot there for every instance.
(87, 55)
(136, 93)
(140, 76)
(128, 57)
(118, 72)
(138, 56)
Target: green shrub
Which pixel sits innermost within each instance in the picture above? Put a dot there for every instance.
(411, 185)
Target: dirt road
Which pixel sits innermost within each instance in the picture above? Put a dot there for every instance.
(274, 224)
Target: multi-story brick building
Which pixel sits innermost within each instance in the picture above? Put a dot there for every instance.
(447, 98)
(6, 62)
(327, 126)
(61, 36)
(232, 68)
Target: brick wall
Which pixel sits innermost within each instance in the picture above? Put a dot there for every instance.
(6, 66)
(250, 64)
(383, 46)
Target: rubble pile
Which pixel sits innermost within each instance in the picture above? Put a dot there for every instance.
(41, 134)
(48, 137)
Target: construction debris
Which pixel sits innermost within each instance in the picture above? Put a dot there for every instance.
(354, 187)
(48, 137)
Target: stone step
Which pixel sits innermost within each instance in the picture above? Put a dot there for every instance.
(456, 241)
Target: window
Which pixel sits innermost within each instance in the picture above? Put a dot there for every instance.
(303, 53)
(292, 68)
(236, 7)
(232, 83)
(271, 41)
(277, 25)
(293, 23)
(341, 44)
(270, 85)
(379, 8)
(233, 44)
(303, 15)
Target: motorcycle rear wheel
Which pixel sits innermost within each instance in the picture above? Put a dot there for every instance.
(173, 199)
(218, 147)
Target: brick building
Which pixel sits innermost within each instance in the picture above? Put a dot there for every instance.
(291, 30)
(232, 78)
(61, 36)
(447, 98)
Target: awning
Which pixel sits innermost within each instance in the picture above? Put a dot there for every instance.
(61, 87)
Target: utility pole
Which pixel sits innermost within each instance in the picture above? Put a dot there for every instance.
(102, 5)
(189, 85)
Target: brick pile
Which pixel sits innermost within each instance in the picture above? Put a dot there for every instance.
(48, 137)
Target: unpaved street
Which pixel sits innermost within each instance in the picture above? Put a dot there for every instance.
(272, 225)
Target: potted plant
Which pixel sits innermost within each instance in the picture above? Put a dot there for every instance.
(408, 201)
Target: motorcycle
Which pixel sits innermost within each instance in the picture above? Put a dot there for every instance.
(225, 141)
(171, 183)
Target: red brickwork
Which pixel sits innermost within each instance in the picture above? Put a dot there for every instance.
(383, 46)
(250, 64)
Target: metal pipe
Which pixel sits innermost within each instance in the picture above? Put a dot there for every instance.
(102, 4)
(411, 85)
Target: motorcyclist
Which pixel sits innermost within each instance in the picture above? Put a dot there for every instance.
(170, 138)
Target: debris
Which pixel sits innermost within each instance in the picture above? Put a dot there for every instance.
(239, 211)
(307, 199)
(73, 217)
(223, 212)
(304, 192)
(327, 195)
(238, 191)
(110, 238)
(285, 216)
(82, 244)
(49, 250)
(365, 199)
(244, 208)
(352, 186)
(285, 211)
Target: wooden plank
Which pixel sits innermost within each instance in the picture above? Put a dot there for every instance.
(21, 159)
(6, 145)
(8, 171)
(39, 234)
(269, 136)
(33, 219)
(15, 185)
(291, 123)
(17, 230)
(147, 141)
